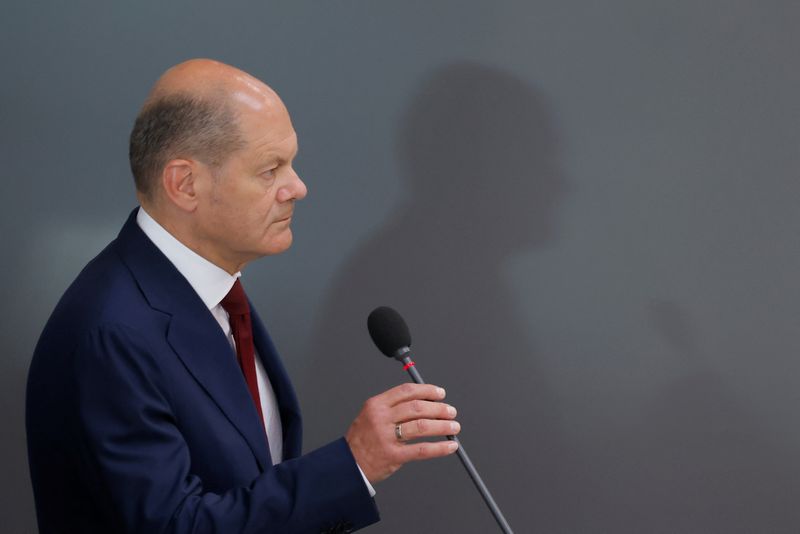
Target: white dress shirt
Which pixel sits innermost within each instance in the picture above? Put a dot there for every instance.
(212, 283)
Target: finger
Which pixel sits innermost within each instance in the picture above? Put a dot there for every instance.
(426, 450)
(409, 391)
(422, 409)
(429, 428)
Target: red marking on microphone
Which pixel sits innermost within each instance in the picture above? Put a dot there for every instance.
(406, 366)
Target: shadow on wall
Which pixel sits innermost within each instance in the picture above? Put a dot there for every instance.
(479, 156)
(698, 460)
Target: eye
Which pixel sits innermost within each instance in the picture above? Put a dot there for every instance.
(270, 173)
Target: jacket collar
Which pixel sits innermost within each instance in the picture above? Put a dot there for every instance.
(209, 281)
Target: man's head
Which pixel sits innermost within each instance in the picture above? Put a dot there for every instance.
(211, 153)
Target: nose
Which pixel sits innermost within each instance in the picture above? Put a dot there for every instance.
(295, 189)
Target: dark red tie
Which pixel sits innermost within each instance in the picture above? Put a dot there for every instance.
(235, 303)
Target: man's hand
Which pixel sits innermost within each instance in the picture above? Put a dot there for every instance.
(373, 439)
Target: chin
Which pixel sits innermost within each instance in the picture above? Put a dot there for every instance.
(278, 244)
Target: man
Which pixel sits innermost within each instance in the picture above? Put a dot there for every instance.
(156, 401)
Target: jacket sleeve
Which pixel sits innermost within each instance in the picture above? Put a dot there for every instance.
(137, 464)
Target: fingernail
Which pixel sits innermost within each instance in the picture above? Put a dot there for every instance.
(455, 427)
(440, 392)
(451, 411)
(452, 446)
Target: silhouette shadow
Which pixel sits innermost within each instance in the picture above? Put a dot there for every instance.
(479, 153)
(698, 460)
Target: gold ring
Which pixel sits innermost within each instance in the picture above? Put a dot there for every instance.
(398, 431)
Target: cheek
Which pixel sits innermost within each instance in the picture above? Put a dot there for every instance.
(252, 207)
(265, 209)
(249, 212)
(232, 219)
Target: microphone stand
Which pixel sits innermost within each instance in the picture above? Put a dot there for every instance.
(404, 356)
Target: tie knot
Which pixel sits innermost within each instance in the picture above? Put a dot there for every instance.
(235, 302)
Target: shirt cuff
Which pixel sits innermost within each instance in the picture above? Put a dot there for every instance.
(369, 486)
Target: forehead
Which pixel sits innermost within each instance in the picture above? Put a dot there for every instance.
(268, 131)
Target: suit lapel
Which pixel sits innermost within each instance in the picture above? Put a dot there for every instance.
(284, 392)
(194, 335)
(205, 352)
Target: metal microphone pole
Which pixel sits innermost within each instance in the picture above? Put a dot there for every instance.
(404, 355)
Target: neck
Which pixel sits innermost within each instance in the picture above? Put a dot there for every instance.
(182, 229)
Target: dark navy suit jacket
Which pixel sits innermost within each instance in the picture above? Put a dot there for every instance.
(139, 419)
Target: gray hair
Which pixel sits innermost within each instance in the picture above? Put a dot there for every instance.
(180, 125)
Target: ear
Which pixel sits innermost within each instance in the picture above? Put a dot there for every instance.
(178, 180)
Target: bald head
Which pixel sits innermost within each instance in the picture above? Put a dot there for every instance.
(193, 112)
(206, 78)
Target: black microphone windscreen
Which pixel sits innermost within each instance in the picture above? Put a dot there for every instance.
(388, 330)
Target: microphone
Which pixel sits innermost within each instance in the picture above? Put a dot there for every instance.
(390, 334)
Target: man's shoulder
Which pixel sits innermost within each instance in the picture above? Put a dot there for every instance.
(104, 292)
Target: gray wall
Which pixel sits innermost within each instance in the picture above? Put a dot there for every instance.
(586, 210)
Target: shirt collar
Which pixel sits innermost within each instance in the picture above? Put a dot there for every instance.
(210, 282)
